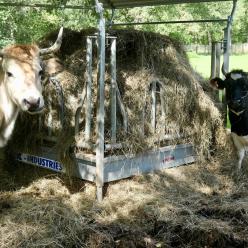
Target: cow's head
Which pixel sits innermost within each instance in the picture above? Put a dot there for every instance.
(21, 71)
(236, 85)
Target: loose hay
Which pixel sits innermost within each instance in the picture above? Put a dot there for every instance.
(191, 206)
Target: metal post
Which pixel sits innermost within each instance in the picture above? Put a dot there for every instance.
(227, 38)
(218, 55)
(122, 108)
(143, 113)
(217, 69)
(153, 111)
(215, 65)
(88, 89)
(113, 90)
(213, 60)
(227, 48)
(100, 104)
(162, 102)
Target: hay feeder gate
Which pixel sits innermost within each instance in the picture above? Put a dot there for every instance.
(99, 168)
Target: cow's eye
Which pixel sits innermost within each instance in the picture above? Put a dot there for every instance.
(9, 74)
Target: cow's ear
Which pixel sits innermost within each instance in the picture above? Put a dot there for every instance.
(218, 83)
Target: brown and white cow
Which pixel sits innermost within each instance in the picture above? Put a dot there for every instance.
(20, 83)
(236, 86)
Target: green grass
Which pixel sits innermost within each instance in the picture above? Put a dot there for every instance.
(202, 63)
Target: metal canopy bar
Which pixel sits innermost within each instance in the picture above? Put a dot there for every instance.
(109, 4)
(38, 5)
(168, 22)
(141, 3)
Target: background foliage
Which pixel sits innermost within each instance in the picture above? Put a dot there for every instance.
(25, 25)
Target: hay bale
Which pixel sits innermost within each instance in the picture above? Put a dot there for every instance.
(141, 58)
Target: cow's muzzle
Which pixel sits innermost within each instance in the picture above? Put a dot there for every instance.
(33, 105)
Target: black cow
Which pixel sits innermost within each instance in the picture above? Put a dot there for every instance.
(236, 85)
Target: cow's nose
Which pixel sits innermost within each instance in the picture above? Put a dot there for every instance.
(32, 104)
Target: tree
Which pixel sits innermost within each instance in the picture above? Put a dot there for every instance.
(25, 24)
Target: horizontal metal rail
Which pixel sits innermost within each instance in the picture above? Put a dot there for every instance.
(38, 5)
(118, 4)
(168, 22)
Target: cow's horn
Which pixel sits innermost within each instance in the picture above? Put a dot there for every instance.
(224, 72)
(56, 46)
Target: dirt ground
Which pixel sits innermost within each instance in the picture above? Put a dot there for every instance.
(200, 205)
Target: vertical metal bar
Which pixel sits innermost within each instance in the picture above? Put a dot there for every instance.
(217, 94)
(88, 89)
(218, 54)
(113, 90)
(143, 113)
(100, 110)
(143, 120)
(226, 46)
(213, 60)
(215, 65)
(78, 111)
(153, 110)
(226, 55)
(122, 108)
(162, 102)
(227, 37)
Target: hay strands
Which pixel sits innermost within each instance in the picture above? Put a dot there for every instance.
(79, 109)
(82, 144)
(91, 146)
